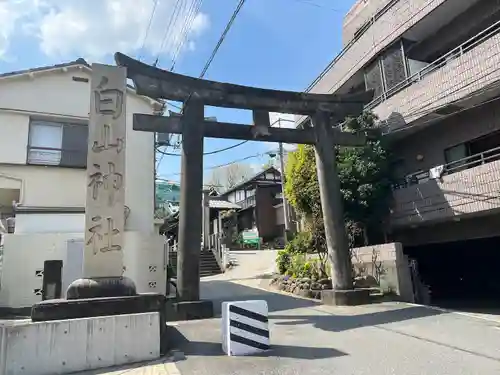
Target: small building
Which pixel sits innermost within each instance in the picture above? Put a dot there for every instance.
(43, 150)
(44, 119)
(260, 199)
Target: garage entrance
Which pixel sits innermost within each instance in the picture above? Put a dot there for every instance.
(462, 275)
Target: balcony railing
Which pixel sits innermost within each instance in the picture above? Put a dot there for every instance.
(450, 168)
(437, 64)
(248, 202)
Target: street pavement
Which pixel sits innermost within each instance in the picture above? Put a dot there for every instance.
(309, 338)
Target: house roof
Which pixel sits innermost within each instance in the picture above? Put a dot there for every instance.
(76, 62)
(80, 62)
(222, 204)
(246, 181)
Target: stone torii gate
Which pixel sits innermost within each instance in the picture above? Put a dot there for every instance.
(324, 110)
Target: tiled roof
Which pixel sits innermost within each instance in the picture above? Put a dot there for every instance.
(236, 187)
(76, 62)
(222, 204)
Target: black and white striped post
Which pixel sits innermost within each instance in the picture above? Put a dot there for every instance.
(245, 327)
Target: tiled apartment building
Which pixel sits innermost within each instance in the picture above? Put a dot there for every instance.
(435, 68)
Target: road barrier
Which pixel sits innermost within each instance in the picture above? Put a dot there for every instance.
(245, 327)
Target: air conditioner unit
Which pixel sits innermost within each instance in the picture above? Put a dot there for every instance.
(163, 139)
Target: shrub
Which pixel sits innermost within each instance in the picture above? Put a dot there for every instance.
(300, 244)
(283, 261)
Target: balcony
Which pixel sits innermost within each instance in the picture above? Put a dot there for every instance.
(461, 79)
(466, 186)
(388, 25)
(247, 203)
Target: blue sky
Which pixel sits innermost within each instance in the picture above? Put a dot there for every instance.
(279, 44)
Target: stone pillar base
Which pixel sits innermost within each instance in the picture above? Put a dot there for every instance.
(108, 306)
(351, 297)
(100, 287)
(193, 310)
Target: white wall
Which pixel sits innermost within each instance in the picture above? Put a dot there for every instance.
(25, 254)
(73, 345)
(55, 95)
(47, 223)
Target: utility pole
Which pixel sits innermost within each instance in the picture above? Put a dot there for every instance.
(285, 203)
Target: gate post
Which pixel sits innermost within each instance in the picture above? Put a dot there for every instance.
(332, 203)
(190, 212)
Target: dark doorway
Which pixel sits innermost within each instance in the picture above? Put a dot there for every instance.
(461, 275)
(52, 279)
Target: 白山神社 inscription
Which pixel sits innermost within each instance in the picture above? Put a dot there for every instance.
(105, 204)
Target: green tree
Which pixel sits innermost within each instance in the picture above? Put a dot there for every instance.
(365, 180)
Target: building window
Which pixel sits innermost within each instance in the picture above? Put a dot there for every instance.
(250, 193)
(57, 143)
(240, 195)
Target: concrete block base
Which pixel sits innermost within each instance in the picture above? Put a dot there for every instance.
(345, 297)
(193, 310)
(66, 346)
(60, 309)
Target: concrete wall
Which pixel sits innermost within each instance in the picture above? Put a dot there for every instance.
(358, 15)
(471, 191)
(388, 265)
(47, 223)
(433, 140)
(464, 75)
(450, 231)
(24, 256)
(387, 29)
(67, 346)
(57, 96)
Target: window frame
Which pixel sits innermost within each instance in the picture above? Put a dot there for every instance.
(62, 124)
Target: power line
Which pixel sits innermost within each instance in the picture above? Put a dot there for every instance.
(206, 153)
(148, 29)
(307, 2)
(172, 21)
(231, 162)
(222, 37)
(188, 25)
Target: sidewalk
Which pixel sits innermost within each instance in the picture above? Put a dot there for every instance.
(162, 366)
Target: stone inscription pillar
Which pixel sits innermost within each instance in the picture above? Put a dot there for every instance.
(105, 202)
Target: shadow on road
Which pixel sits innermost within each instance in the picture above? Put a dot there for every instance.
(339, 323)
(211, 349)
(224, 291)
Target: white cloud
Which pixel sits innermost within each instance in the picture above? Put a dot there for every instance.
(97, 28)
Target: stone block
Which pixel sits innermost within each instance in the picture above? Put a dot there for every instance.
(92, 307)
(194, 310)
(67, 346)
(351, 297)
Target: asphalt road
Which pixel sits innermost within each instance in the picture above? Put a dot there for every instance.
(311, 339)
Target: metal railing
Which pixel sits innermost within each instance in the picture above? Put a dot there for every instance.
(437, 64)
(460, 165)
(215, 245)
(247, 202)
(357, 35)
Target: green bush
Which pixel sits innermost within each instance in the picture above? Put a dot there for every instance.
(296, 265)
(300, 244)
(283, 261)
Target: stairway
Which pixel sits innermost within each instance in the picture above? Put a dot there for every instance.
(208, 263)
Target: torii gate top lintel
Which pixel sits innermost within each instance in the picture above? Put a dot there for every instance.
(161, 84)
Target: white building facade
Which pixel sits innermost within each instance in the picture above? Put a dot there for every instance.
(44, 116)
